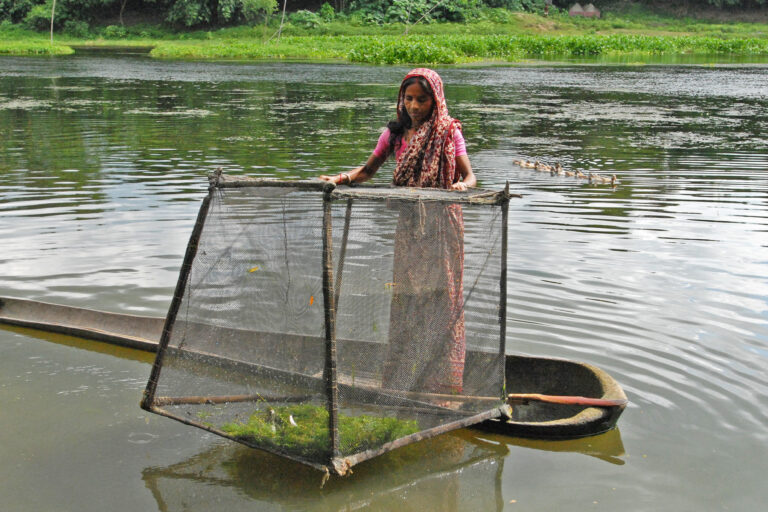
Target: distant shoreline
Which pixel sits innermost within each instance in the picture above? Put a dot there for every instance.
(419, 49)
(524, 36)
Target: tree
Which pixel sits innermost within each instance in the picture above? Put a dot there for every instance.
(191, 13)
(53, 11)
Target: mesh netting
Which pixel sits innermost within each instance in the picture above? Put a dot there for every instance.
(256, 352)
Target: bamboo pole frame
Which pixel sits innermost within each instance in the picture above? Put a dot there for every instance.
(227, 399)
(374, 191)
(178, 294)
(329, 304)
(503, 279)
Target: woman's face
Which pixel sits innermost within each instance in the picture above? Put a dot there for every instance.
(418, 103)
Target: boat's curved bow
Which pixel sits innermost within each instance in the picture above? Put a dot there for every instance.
(549, 376)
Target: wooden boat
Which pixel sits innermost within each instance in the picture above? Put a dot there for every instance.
(524, 374)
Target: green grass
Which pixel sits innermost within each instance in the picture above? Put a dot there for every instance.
(33, 47)
(456, 49)
(304, 48)
(309, 438)
(15, 40)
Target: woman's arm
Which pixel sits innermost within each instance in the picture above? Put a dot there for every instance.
(468, 179)
(358, 174)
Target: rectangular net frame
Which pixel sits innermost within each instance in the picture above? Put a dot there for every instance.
(332, 346)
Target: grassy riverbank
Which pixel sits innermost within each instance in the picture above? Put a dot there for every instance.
(456, 49)
(508, 37)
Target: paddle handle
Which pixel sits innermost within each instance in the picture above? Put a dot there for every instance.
(521, 398)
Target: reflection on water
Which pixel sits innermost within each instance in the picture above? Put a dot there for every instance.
(662, 282)
(607, 446)
(452, 473)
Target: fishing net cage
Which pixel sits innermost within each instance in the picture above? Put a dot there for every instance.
(332, 324)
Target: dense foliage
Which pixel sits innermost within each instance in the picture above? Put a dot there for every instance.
(76, 16)
(36, 14)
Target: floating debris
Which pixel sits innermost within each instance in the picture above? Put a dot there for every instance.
(559, 170)
(23, 104)
(190, 112)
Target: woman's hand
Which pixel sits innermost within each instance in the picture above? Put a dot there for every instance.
(468, 179)
(356, 175)
(336, 178)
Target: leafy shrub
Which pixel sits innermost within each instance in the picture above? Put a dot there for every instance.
(189, 13)
(258, 9)
(327, 13)
(407, 11)
(230, 11)
(305, 19)
(517, 5)
(76, 28)
(39, 17)
(115, 32)
(372, 18)
(15, 10)
(459, 11)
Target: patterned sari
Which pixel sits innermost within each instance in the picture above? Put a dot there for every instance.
(426, 336)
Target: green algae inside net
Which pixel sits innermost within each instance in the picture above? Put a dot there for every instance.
(303, 430)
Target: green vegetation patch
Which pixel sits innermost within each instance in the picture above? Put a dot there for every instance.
(455, 49)
(307, 48)
(303, 430)
(468, 48)
(33, 48)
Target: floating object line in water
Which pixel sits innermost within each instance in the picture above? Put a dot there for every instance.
(559, 170)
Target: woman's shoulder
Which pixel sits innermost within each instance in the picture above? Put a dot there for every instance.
(384, 137)
(382, 146)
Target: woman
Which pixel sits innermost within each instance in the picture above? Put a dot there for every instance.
(429, 146)
(426, 336)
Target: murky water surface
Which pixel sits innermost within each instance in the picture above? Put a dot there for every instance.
(662, 282)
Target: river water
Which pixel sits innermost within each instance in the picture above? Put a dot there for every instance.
(661, 281)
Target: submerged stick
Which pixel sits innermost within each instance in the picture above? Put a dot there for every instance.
(224, 399)
(428, 396)
(524, 398)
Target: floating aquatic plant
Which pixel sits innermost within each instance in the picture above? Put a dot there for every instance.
(303, 430)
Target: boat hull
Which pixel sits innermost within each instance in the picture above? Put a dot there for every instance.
(524, 374)
(550, 376)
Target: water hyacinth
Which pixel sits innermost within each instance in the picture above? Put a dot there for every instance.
(422, 50)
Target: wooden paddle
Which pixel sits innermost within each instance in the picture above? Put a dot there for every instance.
(524, 398)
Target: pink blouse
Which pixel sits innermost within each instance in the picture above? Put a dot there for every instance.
(382, 148)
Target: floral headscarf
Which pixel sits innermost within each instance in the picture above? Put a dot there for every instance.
(430, 159)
